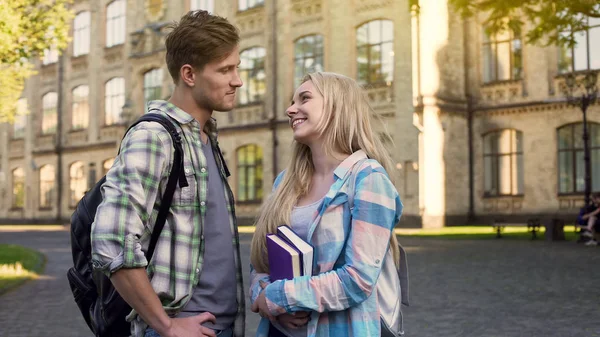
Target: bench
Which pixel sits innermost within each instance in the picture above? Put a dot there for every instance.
(533, 226)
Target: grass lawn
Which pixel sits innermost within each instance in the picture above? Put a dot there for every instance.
(480, 232)
(17, 265)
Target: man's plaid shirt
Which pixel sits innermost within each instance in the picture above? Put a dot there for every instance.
(131, 198)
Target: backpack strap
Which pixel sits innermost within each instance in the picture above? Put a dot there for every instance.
(175, 176)
(403, 267)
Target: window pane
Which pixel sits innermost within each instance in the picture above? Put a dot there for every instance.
(518, 177)
(504, 174)
(251, 183)
(595, 163)
(252, 72)
(114, 100)
(375, 66)
(153, 84)
(20, 118)
(580, 172)
(46, 185)
(518, 141)
(594, 131)
(489, 176)
(361, 35)
(374, 32)
(595, 47)
(387, 68)
(565, 138)
(565, 58)
(115, 23)
(503, 59)
(80, 107)
(18, 179)
(49, 117)
(580, 52)
(81, 34)
(504, 144)
(363, 64)
(565, 172)
(242, 188)
(578, 136)
(387, 31)
(489, 66)
(77, 183)
(517, 55)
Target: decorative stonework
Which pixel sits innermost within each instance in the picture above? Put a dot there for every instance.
(155, 9)
(501, 93)
(306, 12)
(79, 64)
(506, 205)
(112, 132)
(382, 100)
(48, 73)
(16, 148)
(251, 22)
(369, 5)
(148, 40)
(571, 203)
(44, 142)
(76, 137)
(114, 54)
(250, 114)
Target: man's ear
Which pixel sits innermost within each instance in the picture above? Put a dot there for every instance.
(187, 75)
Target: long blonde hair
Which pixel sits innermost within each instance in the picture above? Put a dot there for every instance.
(348, 118)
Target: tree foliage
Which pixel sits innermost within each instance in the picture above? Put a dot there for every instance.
(539, 21)
(27, 28)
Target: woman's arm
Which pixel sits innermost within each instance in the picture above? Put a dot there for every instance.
(377, 208)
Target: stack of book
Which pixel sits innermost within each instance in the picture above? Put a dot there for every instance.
(289, 255)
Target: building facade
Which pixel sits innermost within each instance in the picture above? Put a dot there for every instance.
(477, 125)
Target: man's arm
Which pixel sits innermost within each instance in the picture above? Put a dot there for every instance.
(135, 288)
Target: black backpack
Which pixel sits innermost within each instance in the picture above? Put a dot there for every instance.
(102, 307)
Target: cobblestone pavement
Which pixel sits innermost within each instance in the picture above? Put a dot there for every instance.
(484, 288)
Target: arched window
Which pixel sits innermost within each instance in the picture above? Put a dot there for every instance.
(252, 73)
(77, 183)
(375, 52)
(153, 84)
(49, 117)
(584, 55)
(571, 164)
(81, 34)
(47, 178)
(114, 99)
(80, 108)
(503, 163)
(115, 23)
(249, 173)
(106, 165)
(18, 182)
(308, 56)
(502, 57)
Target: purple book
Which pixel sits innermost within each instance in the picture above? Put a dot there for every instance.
(284, 260)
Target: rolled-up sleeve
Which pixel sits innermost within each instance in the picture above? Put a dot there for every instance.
(129, 195)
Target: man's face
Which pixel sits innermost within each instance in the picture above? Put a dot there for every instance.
(217, 83)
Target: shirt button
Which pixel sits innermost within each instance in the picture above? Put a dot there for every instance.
(197, 270)
(203, 170)
(187, 170)
(202, 203)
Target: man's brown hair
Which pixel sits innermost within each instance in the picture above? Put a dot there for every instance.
(197, 39)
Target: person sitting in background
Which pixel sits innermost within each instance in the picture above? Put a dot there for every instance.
(589, 220)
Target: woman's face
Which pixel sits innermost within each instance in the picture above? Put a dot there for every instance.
(305, 113)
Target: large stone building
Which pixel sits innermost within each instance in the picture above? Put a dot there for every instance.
(477, 125)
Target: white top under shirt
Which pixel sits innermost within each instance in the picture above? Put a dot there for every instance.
(302, 217)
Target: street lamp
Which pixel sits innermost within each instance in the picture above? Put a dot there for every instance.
(582, 92)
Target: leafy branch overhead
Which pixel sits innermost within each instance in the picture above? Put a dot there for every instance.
(27, 28)
(538, 21)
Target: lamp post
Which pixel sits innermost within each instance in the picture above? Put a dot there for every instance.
(582, 92)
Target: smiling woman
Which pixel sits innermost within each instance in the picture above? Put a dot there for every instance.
(17, 265)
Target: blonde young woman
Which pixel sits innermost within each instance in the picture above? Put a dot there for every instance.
(336, 156)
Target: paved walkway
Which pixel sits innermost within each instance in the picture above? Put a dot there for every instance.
(485, 288)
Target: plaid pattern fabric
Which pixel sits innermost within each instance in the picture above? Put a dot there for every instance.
(131, 197)
(350, 250)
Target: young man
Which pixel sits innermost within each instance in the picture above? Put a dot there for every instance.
(193, 285)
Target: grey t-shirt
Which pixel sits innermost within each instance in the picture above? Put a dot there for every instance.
(216, 289)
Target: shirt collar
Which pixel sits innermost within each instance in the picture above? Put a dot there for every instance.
(183, 117)
(349, 162)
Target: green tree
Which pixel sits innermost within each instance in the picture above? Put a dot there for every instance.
(539, 21)
(27, 28)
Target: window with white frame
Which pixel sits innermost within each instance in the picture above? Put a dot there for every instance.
(50, 56)
(114, 99)
(502, 57)
(115, 23)
(585, 55)
(252, 73)
(571, 163)
(207, 5)
(49, 116)
(247, 4)
(20, 119)
(77, 183)
(47, 178)
(375, 52)
(81, 108)
(18, 184)
(81, 34)
(308, 56)
(153, 84)
(249, 173)
(503, 163)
